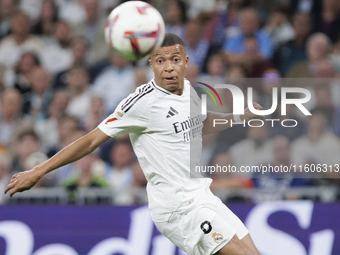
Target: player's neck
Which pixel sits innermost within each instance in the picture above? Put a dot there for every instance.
(178, 92)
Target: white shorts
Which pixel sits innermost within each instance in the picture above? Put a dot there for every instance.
(205, 228)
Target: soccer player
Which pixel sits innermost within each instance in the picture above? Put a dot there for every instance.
(159, 117)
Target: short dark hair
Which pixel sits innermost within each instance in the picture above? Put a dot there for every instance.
(171, 39)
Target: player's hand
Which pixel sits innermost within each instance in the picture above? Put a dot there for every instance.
(248, 115)
(22, 181)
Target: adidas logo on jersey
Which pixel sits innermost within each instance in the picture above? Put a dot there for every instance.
(171, 112)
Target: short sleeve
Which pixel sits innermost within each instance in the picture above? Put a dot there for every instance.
(130, 116)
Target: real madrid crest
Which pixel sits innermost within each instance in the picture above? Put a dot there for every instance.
(217, 237)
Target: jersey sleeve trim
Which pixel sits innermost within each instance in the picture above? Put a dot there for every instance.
(131, 101)
(161, 90)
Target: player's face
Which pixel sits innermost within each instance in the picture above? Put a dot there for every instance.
(169, 64)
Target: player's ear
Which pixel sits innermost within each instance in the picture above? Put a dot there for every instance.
(150, 63)
(186, 61)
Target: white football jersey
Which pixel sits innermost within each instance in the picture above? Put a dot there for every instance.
(166, 134)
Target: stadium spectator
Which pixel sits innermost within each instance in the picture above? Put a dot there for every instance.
(50, 122)
(58, 105)
(93, 31)
(73, 12)
(96, 113)
(68, 126)
(318, 146)
(22, 78)
(278, 26)
(56, 56)
(223, 23)
(256, 149)
(80, 97)
(88, 174)
(258, 65)
(227, 180)
(45, 26)
(273, 185)
(269, 81)
(318, 50)
(196, 46)
(294, 50)
(36, 102)
(216, 75)
(26, 144)
(120, 175)
(291, 113)
(236, 72)
(281, 151)
(19, 41)
(234, 47)
(8, 9)
(120, 71)
(215, 70)
(79, 51)
(12, 121)
(80, 57)
(328, 21)
(176, 17)
(236, 75)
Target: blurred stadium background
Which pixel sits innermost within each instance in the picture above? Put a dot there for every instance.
(59, 80)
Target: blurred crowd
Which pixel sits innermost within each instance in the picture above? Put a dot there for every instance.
(59, 80)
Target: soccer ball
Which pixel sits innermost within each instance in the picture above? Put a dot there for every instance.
(134, 29)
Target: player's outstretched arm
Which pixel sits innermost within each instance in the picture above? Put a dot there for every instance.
(76, 150)
(211, 126)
